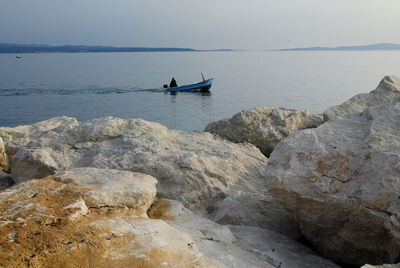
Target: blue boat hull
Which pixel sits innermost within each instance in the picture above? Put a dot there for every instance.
(198, 87)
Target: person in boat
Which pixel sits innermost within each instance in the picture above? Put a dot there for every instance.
(173, 83)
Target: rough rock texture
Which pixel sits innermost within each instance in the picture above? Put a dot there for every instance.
(388, 91)
(244, 247)
(214, 240)
(32, 164)
(3, 157)
(16, 137)
(47, 223)
(341, 184)
(5, 180)
(255, 209)
(196, 168)
(113, 188)
(264, 127)
(280, 251)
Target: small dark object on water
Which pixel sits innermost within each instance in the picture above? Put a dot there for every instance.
(173, 83)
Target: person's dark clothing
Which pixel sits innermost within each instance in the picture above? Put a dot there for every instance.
(173, 83)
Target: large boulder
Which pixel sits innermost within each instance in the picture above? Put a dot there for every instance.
(388, 91)
(238, 246)
(264, 126)
(90, 218)
(15, 137)
(341, 184)
(196, 168)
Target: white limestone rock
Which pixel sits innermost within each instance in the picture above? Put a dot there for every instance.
(276, 249)
(212, 239)
(197, 168)
(264, 126)
(237, 246)
(341, 184)
(77, 209)
(16, 137)
(155, 242)
(112, 188)
(388, 91)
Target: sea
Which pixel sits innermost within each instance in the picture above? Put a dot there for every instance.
(40, 86)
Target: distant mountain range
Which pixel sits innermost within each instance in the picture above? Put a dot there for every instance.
(39, 48)
(34, 48)
(380, 46)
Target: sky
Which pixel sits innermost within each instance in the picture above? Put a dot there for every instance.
(201, 24)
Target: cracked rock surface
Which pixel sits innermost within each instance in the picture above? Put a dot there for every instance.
(341, 184)
(75, 219)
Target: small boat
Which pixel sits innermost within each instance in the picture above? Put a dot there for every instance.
(197, 87)
(18, 56)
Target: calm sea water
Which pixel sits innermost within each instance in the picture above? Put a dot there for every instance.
(91, 85)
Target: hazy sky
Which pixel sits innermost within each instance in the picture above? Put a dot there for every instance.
(202, 24)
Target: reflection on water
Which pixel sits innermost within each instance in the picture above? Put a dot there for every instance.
(202, 93)
(71, 91)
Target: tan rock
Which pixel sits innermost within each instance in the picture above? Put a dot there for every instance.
(113, 188)
(151, 243)
(3, 157)
(46, 223)
(264, 126)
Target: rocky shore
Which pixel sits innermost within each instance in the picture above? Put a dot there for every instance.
(269, 187)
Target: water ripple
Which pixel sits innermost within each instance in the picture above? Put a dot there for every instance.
(7, 92)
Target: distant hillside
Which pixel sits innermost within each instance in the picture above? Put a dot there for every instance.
(381, 46)
(33, 48)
